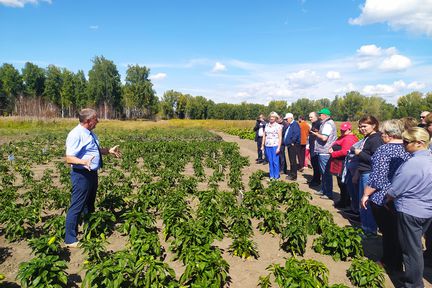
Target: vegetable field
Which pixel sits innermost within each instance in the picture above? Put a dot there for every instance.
(177, 210)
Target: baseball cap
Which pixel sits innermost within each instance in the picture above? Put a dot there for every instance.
(288, 115)
(345, 126)
(325, 111)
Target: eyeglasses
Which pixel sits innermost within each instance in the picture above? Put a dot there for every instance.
(422, 117)
(406, 142)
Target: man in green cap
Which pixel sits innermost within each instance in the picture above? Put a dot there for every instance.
(325, 138)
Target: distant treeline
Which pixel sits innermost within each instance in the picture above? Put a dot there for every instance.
(59, 92)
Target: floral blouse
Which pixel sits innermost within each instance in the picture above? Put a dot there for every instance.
(271, 134)
(385, 161)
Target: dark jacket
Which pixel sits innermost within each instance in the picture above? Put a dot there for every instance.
(258, 124)
(315, 127)
(293, 134)
(370, 146)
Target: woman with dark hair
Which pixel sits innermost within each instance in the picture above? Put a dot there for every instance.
(385, 162)
(368, 126)
(411, 191)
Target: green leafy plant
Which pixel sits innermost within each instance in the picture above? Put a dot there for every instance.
(45, 245)
(124, 269)
(294, 238)
(272, 222)
(136, 219)
(56, 226)
(297, 273)
(205, 267)
(366, 273)
(340, 243)
(95, 248)
(243, 248)
(46, 271)
(97, 223)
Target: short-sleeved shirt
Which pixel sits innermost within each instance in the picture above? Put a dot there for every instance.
(271, 134)
(385, 162)
(327, 129)
(83, 144)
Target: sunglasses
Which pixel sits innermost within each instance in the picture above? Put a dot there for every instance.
(406, 142)
(422, 117)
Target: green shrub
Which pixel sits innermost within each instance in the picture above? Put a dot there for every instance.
(366, 273)
(340, 243)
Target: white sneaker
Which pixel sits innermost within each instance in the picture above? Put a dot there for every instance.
(72, 245)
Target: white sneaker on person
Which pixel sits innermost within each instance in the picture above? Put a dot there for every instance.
(72, 245)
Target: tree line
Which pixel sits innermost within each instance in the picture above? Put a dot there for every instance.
(59, 92)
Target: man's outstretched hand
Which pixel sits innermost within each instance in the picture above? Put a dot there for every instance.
(115, 151)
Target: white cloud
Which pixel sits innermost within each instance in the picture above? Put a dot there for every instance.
(242, 94)
(362, 65)
(392, 89)
(379, 89)
(347, 88)
(369, 50)
(219, 67)
(158, 76)
(333, 75)
(303, 79)
(395, 63)
(413, 16)
(94, 27)
(21, 3)
(416, 85)
(386, 59)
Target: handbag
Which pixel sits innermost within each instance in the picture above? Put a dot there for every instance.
(337, 166)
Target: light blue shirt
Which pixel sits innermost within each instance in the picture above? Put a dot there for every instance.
(83, 144)
(412, 186)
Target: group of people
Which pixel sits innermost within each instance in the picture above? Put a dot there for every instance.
(385, 178)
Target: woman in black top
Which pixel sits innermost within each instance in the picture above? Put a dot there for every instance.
(368, 126)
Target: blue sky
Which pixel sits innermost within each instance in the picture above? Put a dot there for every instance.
(234, 51)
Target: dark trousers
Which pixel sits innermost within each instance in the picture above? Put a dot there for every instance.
(282, 160)
(428, 242)
(301, 156)
(344, 196)
(385, 218)
(292, 155)
(316, 178)
(410, 233)
(84, 187)
(260, 152)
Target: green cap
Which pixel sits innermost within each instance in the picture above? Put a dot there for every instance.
(325, 111)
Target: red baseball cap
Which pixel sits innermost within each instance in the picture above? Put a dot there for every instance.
(345, 126)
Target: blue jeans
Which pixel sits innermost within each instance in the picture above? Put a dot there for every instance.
(366, 217)
(327, 178)
(353, 192)
(273, 160)
(84, 187)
